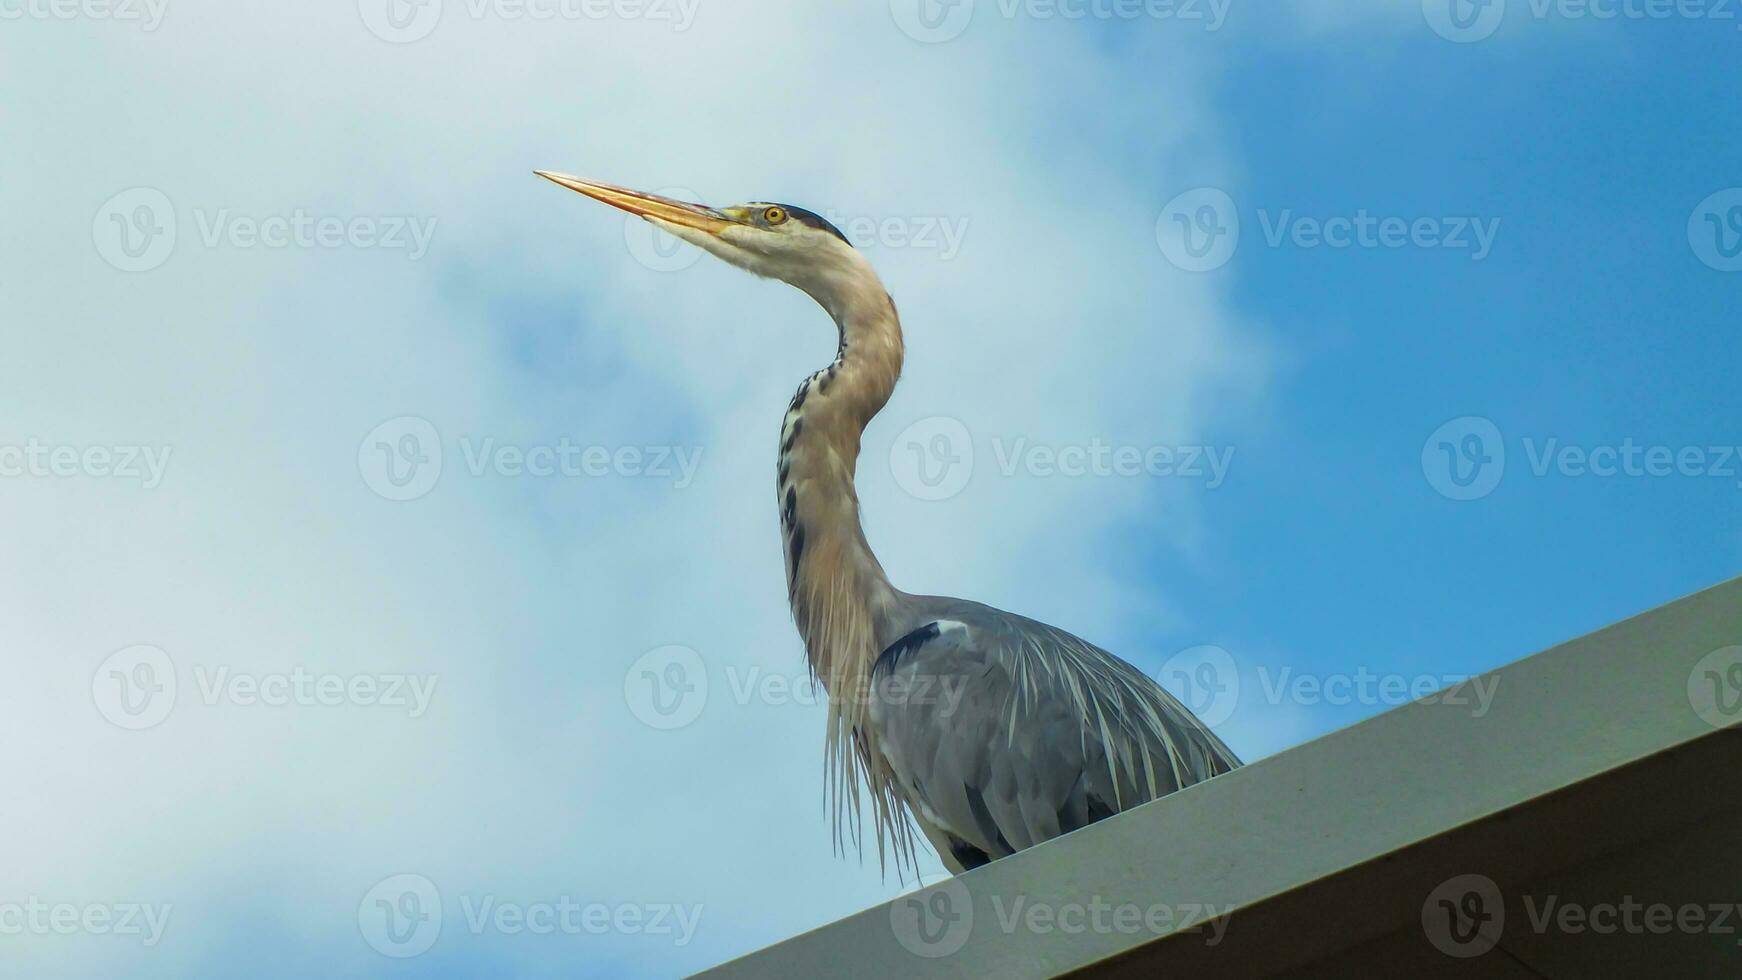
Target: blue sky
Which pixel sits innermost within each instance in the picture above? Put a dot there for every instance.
(1017, 184)
(1592, 322)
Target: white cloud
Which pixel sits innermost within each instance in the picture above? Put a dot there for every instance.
(529, 321)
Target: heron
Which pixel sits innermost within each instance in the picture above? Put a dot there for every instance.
(990, 731)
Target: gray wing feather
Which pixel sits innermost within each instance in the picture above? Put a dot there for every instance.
(1003, 732)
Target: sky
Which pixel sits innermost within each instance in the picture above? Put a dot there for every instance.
(394, 581)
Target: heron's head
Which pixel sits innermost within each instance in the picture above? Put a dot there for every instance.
(774, 240)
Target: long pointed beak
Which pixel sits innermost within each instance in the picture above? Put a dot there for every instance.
(648, 206)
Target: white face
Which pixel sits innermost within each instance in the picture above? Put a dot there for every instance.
(778, 242)
(773, 240)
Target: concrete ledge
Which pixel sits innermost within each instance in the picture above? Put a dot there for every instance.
(1547, 838)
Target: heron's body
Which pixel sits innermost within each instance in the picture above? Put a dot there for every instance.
(994, 732)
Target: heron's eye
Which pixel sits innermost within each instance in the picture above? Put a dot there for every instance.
(774, 216)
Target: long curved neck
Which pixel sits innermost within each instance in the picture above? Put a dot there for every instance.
(839, 593)
(841, 599)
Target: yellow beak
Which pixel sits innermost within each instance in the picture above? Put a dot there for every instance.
(696, 216)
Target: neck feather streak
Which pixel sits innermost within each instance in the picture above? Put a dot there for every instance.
(841, 599)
